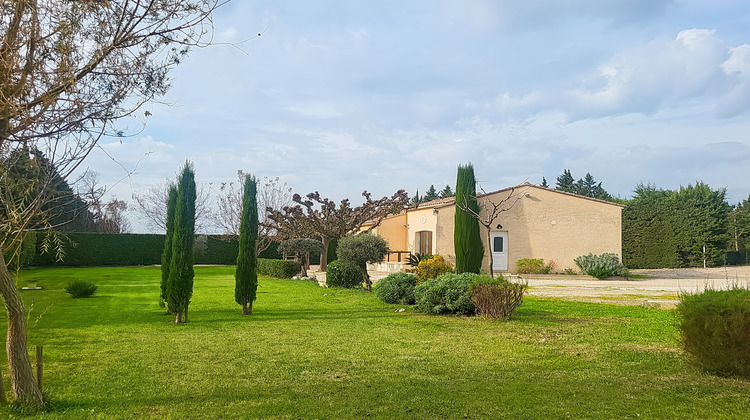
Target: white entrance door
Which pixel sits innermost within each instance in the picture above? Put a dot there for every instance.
(499, 251)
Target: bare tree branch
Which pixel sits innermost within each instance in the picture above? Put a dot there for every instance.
(330, 221)
(272, 194)
(490, 211)
(152, 204)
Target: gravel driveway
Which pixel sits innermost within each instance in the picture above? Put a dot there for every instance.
(659, 288)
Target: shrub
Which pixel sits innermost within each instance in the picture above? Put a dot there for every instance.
(601, 266)
(81, 289)
(281, 269)
(432, 268)
(416, 258)
(397, 288)
(715, 330)
(341, 274)
(448, 294)
(531, 266)
(497, 299)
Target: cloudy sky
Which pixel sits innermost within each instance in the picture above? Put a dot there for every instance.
(342, 96)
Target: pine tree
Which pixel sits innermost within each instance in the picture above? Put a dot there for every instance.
(416, 199)
(466, 239)
(446, 192)
(180, 284)
(565, 182)
(544, 182)
(246, 274)
(166, 256)
(431, 194)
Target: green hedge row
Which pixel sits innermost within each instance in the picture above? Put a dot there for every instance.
(105, 249)
(668, 229)
(122, 249)
(281, 269)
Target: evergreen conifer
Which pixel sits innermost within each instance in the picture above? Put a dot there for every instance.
(180, 284)
(466, 239)
(246, 274)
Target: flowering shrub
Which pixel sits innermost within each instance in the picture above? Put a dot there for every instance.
(432, 268)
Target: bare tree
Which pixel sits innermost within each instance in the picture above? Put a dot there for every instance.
(152, 204)
(107, 217)
(68, 71)
(489, 213)
(272, 194)
(113, 219)
(331, 222)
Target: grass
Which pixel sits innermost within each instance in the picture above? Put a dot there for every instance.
(310, 352)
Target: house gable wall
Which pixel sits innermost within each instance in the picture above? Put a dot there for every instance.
(393, 231)
(545, 224)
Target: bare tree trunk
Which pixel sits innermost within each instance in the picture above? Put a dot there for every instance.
(324, 254)
(178, 317)
(245, 309)
(249, 308)
(366, 275)
(489, 249)
(25, 388)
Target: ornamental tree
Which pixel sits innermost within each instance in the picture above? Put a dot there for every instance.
(246, 274)
(301, 248)
(330, 221)
(361, 249)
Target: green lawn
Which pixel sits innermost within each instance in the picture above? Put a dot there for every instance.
(310, 352)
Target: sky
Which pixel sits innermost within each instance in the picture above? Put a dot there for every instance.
(345, 96)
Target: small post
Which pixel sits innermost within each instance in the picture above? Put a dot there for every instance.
(2, 389)
(39, 366)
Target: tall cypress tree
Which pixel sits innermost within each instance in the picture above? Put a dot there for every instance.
(246, 274)
(166, 255)
(466, 239)
(180, 283)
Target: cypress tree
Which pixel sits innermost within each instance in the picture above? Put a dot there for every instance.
(466, 239)
(246, 274)
(180, 283)
(166, 255)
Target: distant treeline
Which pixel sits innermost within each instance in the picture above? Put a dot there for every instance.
(682, 228)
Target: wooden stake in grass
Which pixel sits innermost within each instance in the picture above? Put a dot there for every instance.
(39, 363)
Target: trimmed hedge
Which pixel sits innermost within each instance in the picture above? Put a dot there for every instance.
(122, 249)
(27, 253)
(281, 269)
(343, 274)
(715, 330)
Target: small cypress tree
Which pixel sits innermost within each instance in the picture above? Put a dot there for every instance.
(246, 274)
(166, 256)
(180, 283)
(466, 239)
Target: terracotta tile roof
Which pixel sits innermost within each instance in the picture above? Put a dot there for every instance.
(436, 202)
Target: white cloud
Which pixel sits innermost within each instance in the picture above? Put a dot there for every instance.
(660, 74)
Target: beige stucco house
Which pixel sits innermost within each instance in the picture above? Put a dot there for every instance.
(536, 222)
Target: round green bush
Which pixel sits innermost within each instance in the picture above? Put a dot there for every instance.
(341, 274)
(81, 289)
(397, 288)
(715, 330)
(448, 294)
